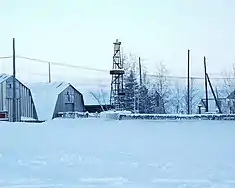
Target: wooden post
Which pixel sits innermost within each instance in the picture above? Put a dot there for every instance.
(140, 71)
(212, 90)
(14, 86)
(140, 74)
(49, 72)
(188, 86)
(206, 90)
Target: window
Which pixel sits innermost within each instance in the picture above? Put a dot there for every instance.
(68, 95)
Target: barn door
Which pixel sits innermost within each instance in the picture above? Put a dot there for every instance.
(69, 107)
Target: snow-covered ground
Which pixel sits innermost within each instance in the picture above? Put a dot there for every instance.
(100, 153)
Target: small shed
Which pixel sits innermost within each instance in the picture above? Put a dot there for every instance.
(212, 107)
(53, 98)
(25, 108)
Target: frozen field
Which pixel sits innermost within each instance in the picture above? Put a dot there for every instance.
(95, 153)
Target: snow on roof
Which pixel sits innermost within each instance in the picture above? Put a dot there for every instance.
(45, 96)
(4, 77)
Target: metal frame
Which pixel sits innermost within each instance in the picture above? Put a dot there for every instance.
(117, 91)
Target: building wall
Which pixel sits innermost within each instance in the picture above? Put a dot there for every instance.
(24, 103)
(70, 100)
(231, 104)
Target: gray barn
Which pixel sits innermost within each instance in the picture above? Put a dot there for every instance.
(24, 103)
(52, 98)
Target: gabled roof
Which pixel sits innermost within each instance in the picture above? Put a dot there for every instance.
(45, 96)
(4, 77)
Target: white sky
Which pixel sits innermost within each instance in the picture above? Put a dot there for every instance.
(82, 32)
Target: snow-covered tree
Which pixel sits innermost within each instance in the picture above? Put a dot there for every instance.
(177, 99)
(229, 81)
(161, 88)
(131, 89)
(155, 102)
(144, 101)
(194, 98)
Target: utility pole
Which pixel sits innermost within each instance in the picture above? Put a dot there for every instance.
(191, 96)
(49, 72)
(14, 85)
(206, 84)
(188, 81)
(140, 71)
(212, 90)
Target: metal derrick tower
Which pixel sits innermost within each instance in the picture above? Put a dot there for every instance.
(117, 92)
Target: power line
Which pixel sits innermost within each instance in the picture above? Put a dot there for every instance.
(184, 77)
(6, 57)
(62, 64)
(103, 70)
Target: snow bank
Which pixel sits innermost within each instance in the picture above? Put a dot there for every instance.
(114, 114)
(27, 119)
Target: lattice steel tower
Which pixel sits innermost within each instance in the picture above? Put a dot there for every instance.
(117, 93)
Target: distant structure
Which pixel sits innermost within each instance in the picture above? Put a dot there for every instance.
(24, 104)
(231, 102)
(212, 106)
(117, 93)
(53, 99)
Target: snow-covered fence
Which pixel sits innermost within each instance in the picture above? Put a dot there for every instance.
(113, 114)
(72, 114)
(178, 116)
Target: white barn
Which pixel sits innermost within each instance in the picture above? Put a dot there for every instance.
(24, 105)
(52, 98)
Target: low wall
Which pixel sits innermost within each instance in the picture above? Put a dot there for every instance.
(178, 116)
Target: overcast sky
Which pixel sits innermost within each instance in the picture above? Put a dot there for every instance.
(82, 32)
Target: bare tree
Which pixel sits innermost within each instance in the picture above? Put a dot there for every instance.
(177, 98)
(100, 97)
(194, 97)
(229, 81)
(161, 85)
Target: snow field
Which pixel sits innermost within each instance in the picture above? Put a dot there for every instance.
(104, 153)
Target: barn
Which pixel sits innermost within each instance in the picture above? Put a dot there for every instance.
(25, 108)
(51, 99)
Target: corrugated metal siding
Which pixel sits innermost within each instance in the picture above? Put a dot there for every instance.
(79, 103)
(1, 97)
(9, 102)
(24, 103)
(69, 98)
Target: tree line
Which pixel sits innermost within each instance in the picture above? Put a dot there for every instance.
(156, 94)
(160, 94)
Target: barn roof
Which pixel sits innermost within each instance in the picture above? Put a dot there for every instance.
(4, 77)
(45, 96)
